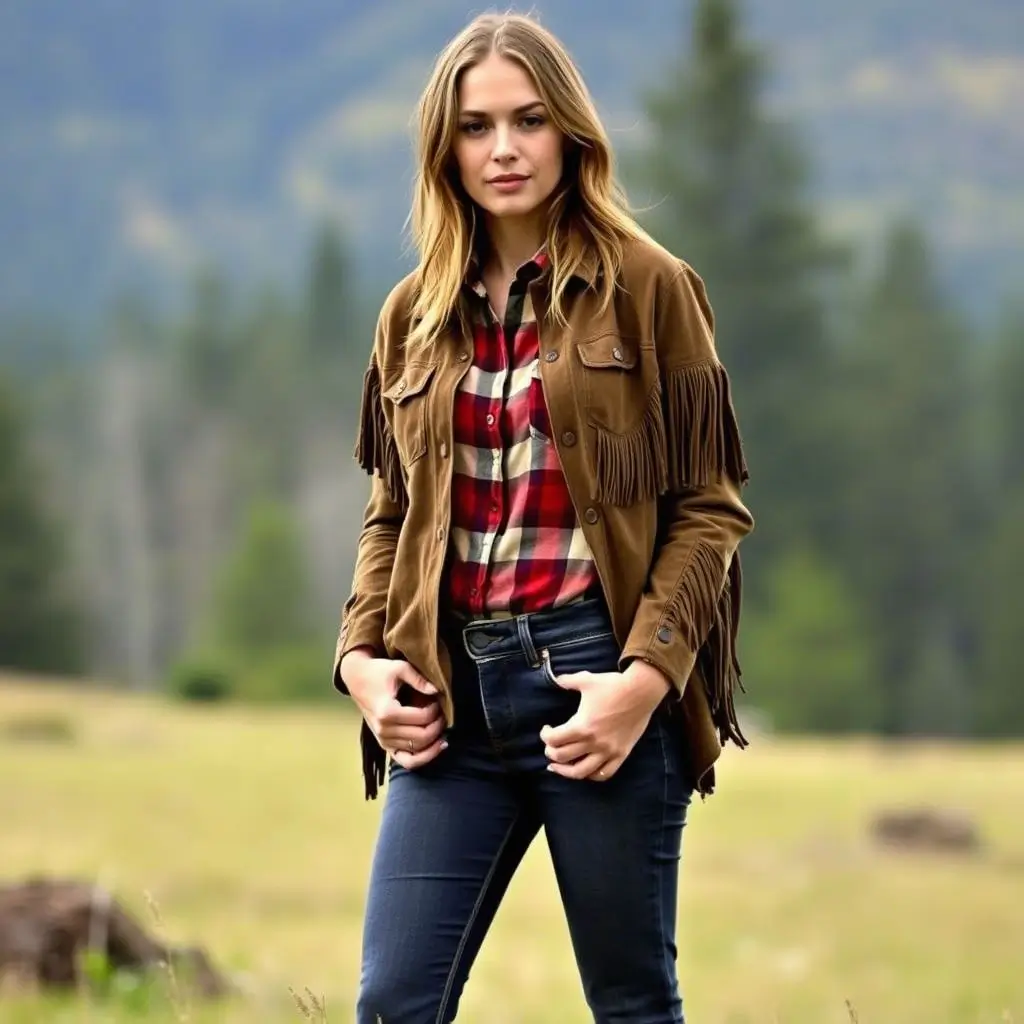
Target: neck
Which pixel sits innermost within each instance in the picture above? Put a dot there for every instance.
(512, 241)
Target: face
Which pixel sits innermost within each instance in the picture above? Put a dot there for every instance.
(508, 151)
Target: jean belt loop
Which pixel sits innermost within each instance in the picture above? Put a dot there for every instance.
(526, 640)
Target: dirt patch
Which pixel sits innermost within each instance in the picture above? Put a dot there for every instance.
(940, 830)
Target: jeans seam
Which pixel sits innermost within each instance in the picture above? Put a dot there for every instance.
(474, 913)
(576, 640)
(666, 964)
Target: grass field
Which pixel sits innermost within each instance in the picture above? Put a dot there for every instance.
(249, 831)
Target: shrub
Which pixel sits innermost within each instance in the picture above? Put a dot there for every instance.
(203, 678)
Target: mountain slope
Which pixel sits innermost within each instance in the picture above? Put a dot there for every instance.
(138, 139)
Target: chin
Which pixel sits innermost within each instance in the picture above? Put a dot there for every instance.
(512, 206)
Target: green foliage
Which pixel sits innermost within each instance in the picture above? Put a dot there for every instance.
(263, 599)
(261, 644)
(809, 660)
(39, 626)
(127, 993)
(203, 678)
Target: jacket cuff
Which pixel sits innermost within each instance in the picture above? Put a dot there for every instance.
(348, 640)
(655, 641)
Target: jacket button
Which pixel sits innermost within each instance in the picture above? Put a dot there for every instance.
(551, 355)
(617, 354)
(665, 635)
(440, 533)
(401, 386)
(590, 515)
(444, 449)
(568, 438)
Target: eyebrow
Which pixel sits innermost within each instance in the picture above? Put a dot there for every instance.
(519, 110)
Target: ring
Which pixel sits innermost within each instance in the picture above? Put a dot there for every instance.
(412, 749)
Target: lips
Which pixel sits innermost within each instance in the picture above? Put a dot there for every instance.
(504, 179)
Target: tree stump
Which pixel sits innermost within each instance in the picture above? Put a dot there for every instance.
(47, 924)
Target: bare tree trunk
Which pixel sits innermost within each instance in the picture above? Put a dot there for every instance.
(123, 398)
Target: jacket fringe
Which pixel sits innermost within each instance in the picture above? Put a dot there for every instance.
(710, 610)
(631, 467)
(375, 446)
(703, 437)
(375, 760)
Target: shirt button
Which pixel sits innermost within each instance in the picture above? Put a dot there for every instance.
(590, 515)
(494, 506)
(665, 635)
(490, 420)
(463, 356)
(444, 450)
(473, 592)
(551, 356)
(568, 438)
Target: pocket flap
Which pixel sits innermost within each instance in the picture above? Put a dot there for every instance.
(410, 383)
(610, 351)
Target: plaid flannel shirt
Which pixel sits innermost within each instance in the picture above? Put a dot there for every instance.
(516, 543)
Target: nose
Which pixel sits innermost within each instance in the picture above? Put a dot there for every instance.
(504, 149)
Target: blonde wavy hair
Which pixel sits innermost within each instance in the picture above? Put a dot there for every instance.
(589, 214)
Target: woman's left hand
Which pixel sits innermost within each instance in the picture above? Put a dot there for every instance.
(614, 710)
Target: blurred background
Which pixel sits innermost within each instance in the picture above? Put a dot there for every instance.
(202, 205)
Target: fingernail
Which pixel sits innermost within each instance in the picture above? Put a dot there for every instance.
(444, 745)
(431, 688)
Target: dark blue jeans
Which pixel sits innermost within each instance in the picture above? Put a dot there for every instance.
(453, 833)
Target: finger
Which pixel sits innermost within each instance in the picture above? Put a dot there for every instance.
(575, 730)
(568, 753)
(606, 770)
(581, 769)
(403, 735)
(421, 757)
(409, 675)
(393, 714)
(572, 680)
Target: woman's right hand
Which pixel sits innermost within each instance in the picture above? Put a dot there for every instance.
(413, 733)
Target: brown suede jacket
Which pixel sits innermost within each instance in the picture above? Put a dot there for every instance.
(648, 440)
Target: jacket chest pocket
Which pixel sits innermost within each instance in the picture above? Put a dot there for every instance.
(409, 396)
(618, 376)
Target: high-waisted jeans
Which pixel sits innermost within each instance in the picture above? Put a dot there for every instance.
(453, 833)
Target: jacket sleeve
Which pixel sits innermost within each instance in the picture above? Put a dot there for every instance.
(363, 615)
(689, 613)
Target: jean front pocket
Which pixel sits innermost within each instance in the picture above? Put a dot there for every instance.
(595, 652)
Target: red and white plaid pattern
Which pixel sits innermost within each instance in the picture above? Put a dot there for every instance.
(517, 545)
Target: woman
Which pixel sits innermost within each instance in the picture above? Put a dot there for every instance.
(541, 626)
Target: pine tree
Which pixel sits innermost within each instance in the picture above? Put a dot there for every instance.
(328, 302)
(909, 504)
(39, 629)
(1000, 565)
(729, 190)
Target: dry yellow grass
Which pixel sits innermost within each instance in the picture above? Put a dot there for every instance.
(248, 829)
